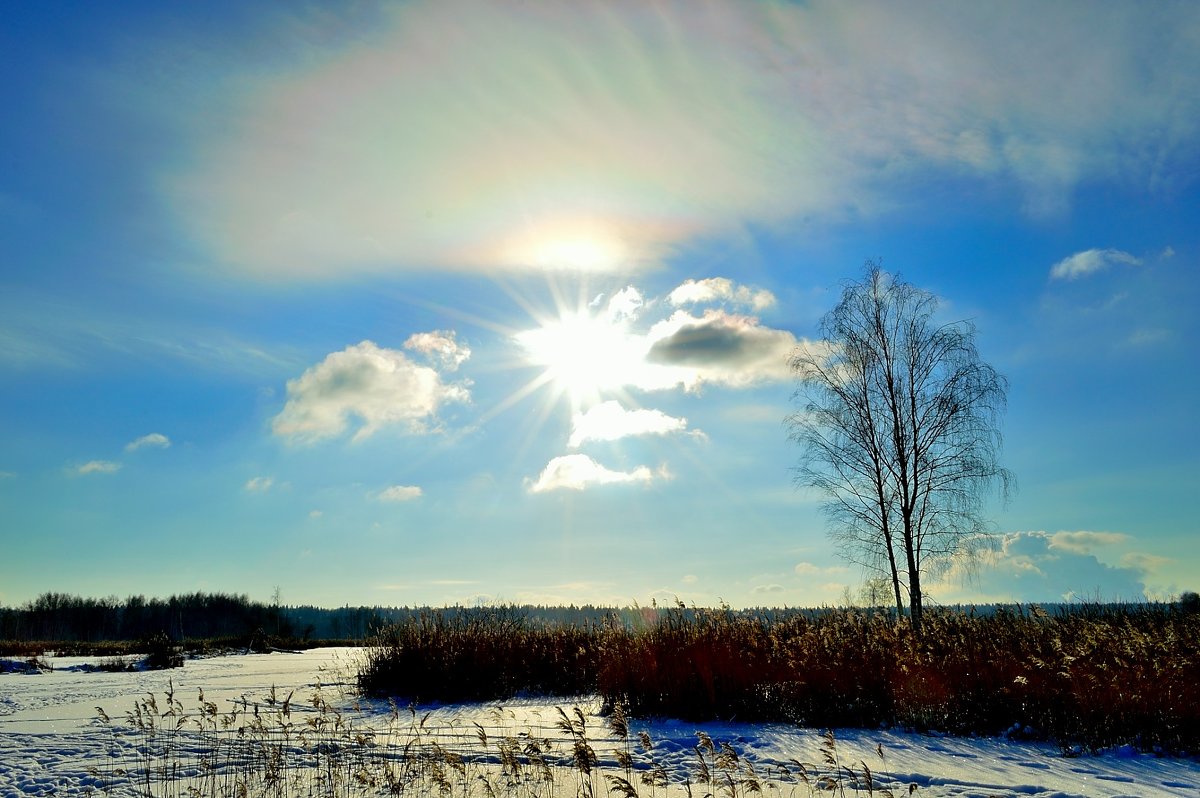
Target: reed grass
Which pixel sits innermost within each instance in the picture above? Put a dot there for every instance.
(1089, 678)
(288, 746)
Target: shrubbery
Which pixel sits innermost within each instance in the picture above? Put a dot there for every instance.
(1091, 677)
(161, 653)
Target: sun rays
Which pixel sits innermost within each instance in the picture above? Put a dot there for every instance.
(586, 356)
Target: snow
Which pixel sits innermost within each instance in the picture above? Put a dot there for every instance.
(53, 742)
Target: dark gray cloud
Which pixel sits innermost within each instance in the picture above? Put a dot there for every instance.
(723, 348)
(709, 344)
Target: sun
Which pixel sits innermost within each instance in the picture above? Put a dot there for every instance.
(584, 355)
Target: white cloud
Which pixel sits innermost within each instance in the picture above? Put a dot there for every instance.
(718, 289)
(315, 513)
(380, 387)
(98, 467)
(154, 439)
(766, 589)
(1041, 566)
(441, 347)
(1145, 563)
(578, 471)
(8, 475)
(599, 135)
(608, 421)
(258, 484)
(1091, 261)
(625, 304)
(1085, 542)
(401, 493)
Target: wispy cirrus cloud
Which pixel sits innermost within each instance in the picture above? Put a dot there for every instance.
(154, 440)
(600, 135)
(258, 484)
(97, 467)
(807, 569)
(1090, 261)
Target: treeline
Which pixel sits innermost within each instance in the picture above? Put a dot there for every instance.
(66, 618)
(63, 617)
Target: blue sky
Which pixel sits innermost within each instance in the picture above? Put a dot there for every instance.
(457, 302)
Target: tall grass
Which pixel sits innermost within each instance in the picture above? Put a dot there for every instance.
(1089, 678)
(282, 747)
(479, 655)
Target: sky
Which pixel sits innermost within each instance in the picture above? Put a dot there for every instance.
(459, 302)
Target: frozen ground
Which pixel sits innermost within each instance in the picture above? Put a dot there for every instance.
(52, 741)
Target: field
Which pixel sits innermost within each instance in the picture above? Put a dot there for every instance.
(286, 724)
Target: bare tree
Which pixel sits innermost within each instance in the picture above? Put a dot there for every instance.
(898, 422)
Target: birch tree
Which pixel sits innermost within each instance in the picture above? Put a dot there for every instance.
(898, 424)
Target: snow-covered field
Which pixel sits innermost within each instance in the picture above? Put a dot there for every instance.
(53, 741)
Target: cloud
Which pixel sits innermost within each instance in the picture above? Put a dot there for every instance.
(98, 467)
(808, 569)
(441, 347)
(625, 342)
(766, 589)
(400, 493)
(39, 330)
(258, 484)
(315, 513)
(1084, 542)
(8, 475)
(722, 348)
(578, 471)
(625, 304)
(717, 289)
(154, 439)
(380, 387)
(1151, 336)
(1145, 564)
(623, 346)
(1091, 261)
(608, 421)
(601, 134)
(1040, 566)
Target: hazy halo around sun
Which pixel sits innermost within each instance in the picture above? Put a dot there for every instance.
(583, 344)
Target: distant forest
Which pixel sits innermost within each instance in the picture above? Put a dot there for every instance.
(62, 617)
(213, 616)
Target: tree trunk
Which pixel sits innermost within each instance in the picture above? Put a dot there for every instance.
(895, 576)
(914, 600)
(914, 574)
